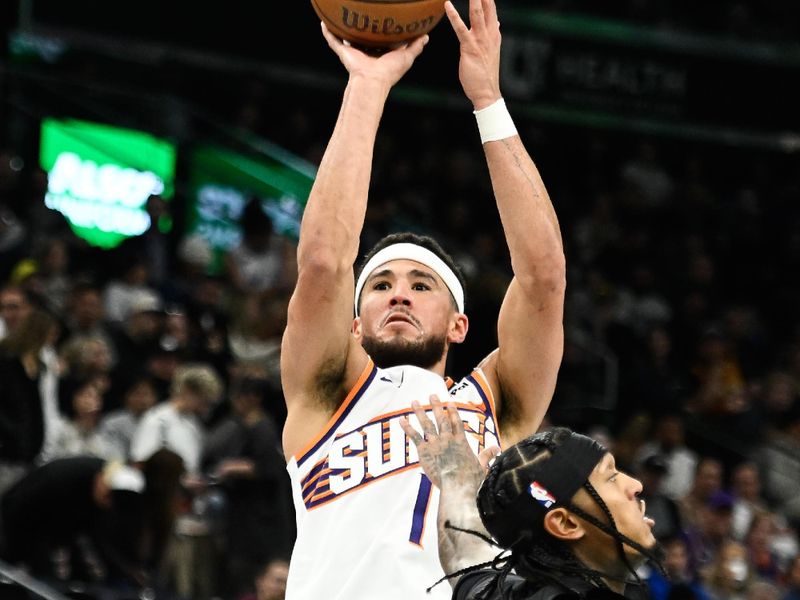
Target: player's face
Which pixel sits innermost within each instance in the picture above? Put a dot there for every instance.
(405, 305)
(620, 492)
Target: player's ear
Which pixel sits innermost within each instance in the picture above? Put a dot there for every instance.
(459, 325)
(563, 525)
(355, 329)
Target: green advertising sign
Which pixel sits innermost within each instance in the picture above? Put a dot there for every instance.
(100, 177)
(222, 183)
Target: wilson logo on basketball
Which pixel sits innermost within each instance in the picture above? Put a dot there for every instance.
(356, 21)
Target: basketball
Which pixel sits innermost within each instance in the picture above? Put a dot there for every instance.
(379, 23)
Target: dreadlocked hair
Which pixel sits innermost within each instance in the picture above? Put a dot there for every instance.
(495, 563)
(535, 555)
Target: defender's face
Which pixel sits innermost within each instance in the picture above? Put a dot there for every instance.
(620, 492)
(407, 302)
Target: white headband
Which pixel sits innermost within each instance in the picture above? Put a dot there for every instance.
(418, 254)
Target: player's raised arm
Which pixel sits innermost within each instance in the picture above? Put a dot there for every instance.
(319, 358)
(530, 324)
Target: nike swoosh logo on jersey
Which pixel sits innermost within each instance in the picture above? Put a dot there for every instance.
(390, 380)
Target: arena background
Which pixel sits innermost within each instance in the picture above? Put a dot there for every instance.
(667, 134)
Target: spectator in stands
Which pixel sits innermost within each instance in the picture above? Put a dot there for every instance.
(243, 453)
(263, 262)
(138, 338)
(670, 442)
(707, 482)
(153, 247)
(161, 366)
(255, 335)
(779, 461)
(660, 507)
(779, 396)
(121, 295)
(710, 529)
(646, 180)
(730, 575)
(177, 336)
(679, 572)
(597, 230)
(82, 359)
(86, 357)
(209, 309)
(176, 424)
(270, 582)
(85, 316)
(659, 379)
(748, 339)
(720, 383)
(15, 306)
(640, 306)
(759, 544)
(164, 495)
(24, 422)
(193, 260)
(52, 280)
(746, 488)
(80, 434)
(118, 427)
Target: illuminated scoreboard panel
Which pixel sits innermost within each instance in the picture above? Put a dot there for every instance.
(100, 177)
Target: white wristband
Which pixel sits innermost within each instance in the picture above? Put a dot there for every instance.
(494, 122)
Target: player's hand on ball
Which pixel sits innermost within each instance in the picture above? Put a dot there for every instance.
(387, 68)
(479, 66)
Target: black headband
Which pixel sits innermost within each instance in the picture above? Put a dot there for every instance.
(552, 481)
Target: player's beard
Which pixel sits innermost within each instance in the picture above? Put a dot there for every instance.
(423, 353)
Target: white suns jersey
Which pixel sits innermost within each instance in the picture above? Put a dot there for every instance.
(366, 513)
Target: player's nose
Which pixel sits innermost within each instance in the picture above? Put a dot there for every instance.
(633, 487)
(401, 294)
(399, 299)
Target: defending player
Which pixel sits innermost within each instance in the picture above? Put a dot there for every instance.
(566, 523)
(362, 501)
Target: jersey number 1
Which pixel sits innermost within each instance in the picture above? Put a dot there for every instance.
(420, 510)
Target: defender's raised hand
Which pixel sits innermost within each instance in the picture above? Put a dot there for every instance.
(444, 453)
(449, 463)
(479, 66)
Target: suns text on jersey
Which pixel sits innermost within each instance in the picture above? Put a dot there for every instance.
(381, 449)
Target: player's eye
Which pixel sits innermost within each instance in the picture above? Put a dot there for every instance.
(420, 287)
(380, 285)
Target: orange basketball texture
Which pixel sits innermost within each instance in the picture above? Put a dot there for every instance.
(379, 23)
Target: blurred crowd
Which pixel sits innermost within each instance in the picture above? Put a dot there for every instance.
(141, 406)
(140, 410)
